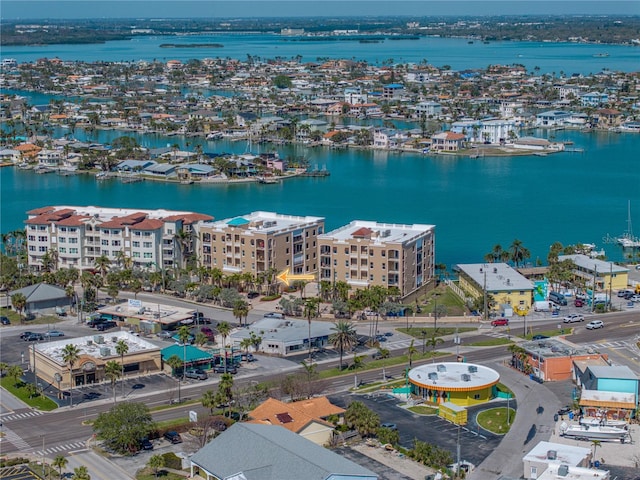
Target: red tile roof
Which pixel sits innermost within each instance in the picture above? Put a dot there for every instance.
(73, 221)
(362, 232)
(188, 218)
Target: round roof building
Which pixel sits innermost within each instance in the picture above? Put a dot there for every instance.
(463, 384)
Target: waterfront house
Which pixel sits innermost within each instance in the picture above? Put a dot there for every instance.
(134, 165)
(500, 281)
(161, 169)
(428, 109)
(552, 118)
(28, 151)
(354, 95)
(607, 276)
(594, 99)
(365, 253)
(10, 155)
(392, 91)
(447, 142)
(607, 118)
(270, 452)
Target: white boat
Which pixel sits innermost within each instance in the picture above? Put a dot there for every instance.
(602, 422)
(627, 239)
(588, 432)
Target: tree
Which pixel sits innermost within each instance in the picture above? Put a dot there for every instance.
(122, 427)
(224, 329)
(208, 400)
(311, 372)
(122, 348)
(364, 420)
(60, 462)
(344, 337)
(3, 367)
(156, 462)
(411, 351)
(240, 310)
(225, 390)
(176, 364)
(81, 473)
(19, 302)
(310, 311)
(112, 370)
(70, 355)
(15, 372)
(433, 342)
(518, 252)
(102, 263)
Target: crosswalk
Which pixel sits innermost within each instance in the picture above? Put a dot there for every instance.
(17, 415)
(14, 439)
(65, 448)
(615, 345)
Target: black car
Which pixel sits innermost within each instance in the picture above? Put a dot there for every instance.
(5, 320)
(24, 335)
(173, 437)
(539, 337)
(91, 395)
(253, 294)
(106, 325)
(230, 369)
(34, 337)
(146, 444)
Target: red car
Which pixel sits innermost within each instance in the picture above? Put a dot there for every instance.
(579, 303)
(499, 322)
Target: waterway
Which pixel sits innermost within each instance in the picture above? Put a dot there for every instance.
(542, 57)
(474, 203)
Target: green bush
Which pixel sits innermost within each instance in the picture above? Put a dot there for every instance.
(171, 460)
(270, 298)
(386, 435)
(10, 462)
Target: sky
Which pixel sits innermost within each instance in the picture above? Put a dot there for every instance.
(73, 9)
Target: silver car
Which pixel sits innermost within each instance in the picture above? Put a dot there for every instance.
(54, 333)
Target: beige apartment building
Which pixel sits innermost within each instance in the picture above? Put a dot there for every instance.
(365, 253)
(260, 241)
(155, 239)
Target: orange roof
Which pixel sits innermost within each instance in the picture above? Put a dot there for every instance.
(28, 147)
(188, 218)
(73, 220)
(362, 232)
(50, 216)
(294, 416)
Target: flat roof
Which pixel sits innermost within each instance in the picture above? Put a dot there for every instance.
(454, 376)
(496, 276)
(95, 345)
(150, 312)
(265, 222)
(554, 347)
(289, 332)
(569, 454)
(593, 264)
(379, 232)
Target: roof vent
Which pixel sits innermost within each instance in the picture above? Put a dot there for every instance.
(441, 368)
(563, 470)
(473, 369)
(495, 269)
(552, 454)
(466, 377)
(433, 376)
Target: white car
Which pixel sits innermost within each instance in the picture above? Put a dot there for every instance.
(574, 317)
(635, 298)
(593, 324)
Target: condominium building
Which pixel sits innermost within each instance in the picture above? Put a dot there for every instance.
(365, 253)
(76, 236)
(259, 242)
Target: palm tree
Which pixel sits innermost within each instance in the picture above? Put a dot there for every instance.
(518, 252)
(595, 444)
(156, 462)
(15, 372)
(102, 263)
(311, 371)
(344, 337)
(3, 367)
(60, 462)
(411, 351)
(122, 348)
(224, 329)
(19, 302)
(175, 362)
(81, 473)
(183, 337)
(112, 371)
(208, 400)
(70, 355)
(225, 389)
(433, 342)
(310, 311)
(241, 310)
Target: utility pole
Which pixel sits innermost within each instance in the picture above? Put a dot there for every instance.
(484, 288)
(610, 284)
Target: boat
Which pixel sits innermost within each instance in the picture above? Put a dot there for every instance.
(601, 55)
(588, 432)
(602, 422)
(102, 176)
(267, 181)
(627, 239)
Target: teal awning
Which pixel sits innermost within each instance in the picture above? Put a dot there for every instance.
(193, 354)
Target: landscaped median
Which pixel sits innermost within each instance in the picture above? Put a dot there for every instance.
(27, 393)
(497, 420)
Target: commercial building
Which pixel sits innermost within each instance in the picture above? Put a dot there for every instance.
(270, 452)
(607, 391)
(504, 284)
(261, 242)
(148, 317)
(95, 351)
(365, 253)
(606, 276)
(547, 453)
(462, 384)
(42, 296)
(70, 236)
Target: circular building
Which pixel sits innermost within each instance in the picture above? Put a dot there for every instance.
(463, 384)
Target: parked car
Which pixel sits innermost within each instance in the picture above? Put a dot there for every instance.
(34, 337)
(248, 357)
(54, 333)
(207, 331)
(274, 315)
(635, 298)
(146, 444)
(499, 322)
(165, 334)
(539, 337)
(24, 335)
(390, 426)
(106, 325)
(578, 302)
(253, 294)
(574, 317)
(593, 324)
(5, 320)
(173, 437)
(230, 369)
(196, 373)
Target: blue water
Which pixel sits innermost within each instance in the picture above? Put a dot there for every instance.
(474, 203)
(549, 57)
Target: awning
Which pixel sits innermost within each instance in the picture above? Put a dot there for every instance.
(596, 398)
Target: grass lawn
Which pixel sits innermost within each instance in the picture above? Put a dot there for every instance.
(495, 419)
(441, 331)
(383, 362)
(490, 343)
(424, 410)
(13, 316)
(173, 423)
(443, 296)
(147, 474)
(40, 402)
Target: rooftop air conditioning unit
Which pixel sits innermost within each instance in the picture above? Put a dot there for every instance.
(552, 454)
(98, 339)
(466, 377)
(114, 339)
(473, 369)
(105, 351)
(495, 270)
(432, 376)
(563, 470)
(441, 368)
(89, 342)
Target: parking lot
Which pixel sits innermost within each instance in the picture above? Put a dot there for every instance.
(475, 444)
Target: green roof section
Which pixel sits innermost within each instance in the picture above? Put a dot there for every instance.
(236, 222)
(194, 354)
